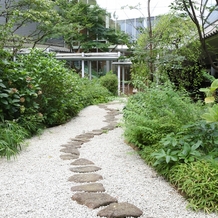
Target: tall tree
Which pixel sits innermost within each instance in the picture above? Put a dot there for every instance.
(198, 11)
(84, 25)
(175, 52)
(23, 21)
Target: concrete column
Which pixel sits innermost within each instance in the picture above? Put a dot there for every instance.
(123, 78)
(83, 66)
(118, 77)
(108, 68)
(90, 69)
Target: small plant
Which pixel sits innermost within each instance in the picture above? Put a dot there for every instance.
(177, 149)
(11, 137)
(211, 92)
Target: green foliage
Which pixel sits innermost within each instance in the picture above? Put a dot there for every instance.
(177, 150)
(11, 137)
(175, 54)
(156, 112)
(212, 114)
(93, 92)
(38, 91)
(199, 139)
(17, 18)
(189, 160)
(83, 23)
(211, 92)
(58, 86)
(198, 181)
(110, 82)
(9, 101)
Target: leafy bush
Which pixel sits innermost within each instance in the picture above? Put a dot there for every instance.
(62, 92)
(194, 141)
(38, 91)
(110, 82)
(93, 92)
(57, 86)
(156, 112)
(187, 155)
(198, 181)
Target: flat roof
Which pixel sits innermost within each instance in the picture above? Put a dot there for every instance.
(108, 56)
(122, 63)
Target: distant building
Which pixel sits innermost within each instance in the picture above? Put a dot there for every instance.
(211, 34)
(134, 26)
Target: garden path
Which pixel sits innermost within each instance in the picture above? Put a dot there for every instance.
(84, 169)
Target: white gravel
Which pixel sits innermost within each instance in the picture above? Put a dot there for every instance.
(34, 185)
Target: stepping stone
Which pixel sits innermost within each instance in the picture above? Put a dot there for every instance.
(109, 117)
(82, 161)
(81, 178)
(120, 210)
(115, 112)
(102, 106)
(82, 136)
(97, 131)
(91, 187)
(69, 156)
(70, 150)
(108, 127)
(86, 169)
(93, 200)
(72, 145)
(88, 135)
(81, 140)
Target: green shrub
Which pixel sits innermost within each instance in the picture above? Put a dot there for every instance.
(38, 91)
(194, 141)
(93, 92)
(110, 82)
(198, 181)
(156, 112)
(57, 86)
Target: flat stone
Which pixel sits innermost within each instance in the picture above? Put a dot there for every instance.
(97, 131)
(69, 156)
(93, 200)
(115, 113)
(88, 135)
(81, 178)
(108, 127)
(82, 161)
(120, 210)
(70, 150)
(109, 117)
(102, 106)
(91, 187)
(80, 139)
(86, 169)
(74, 144)
(83, 136)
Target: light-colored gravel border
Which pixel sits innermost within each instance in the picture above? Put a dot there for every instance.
(35, 185)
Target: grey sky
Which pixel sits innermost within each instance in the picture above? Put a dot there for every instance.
(157, 7)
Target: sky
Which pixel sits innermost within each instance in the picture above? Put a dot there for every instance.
(157, 7)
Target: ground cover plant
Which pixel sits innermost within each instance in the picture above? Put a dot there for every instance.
(173, 137)
(38, 91)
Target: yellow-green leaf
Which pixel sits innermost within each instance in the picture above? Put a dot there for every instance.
(209, 99)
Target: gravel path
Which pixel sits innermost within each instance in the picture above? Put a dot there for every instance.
(35, 184)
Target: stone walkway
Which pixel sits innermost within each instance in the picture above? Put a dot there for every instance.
(89, 191)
